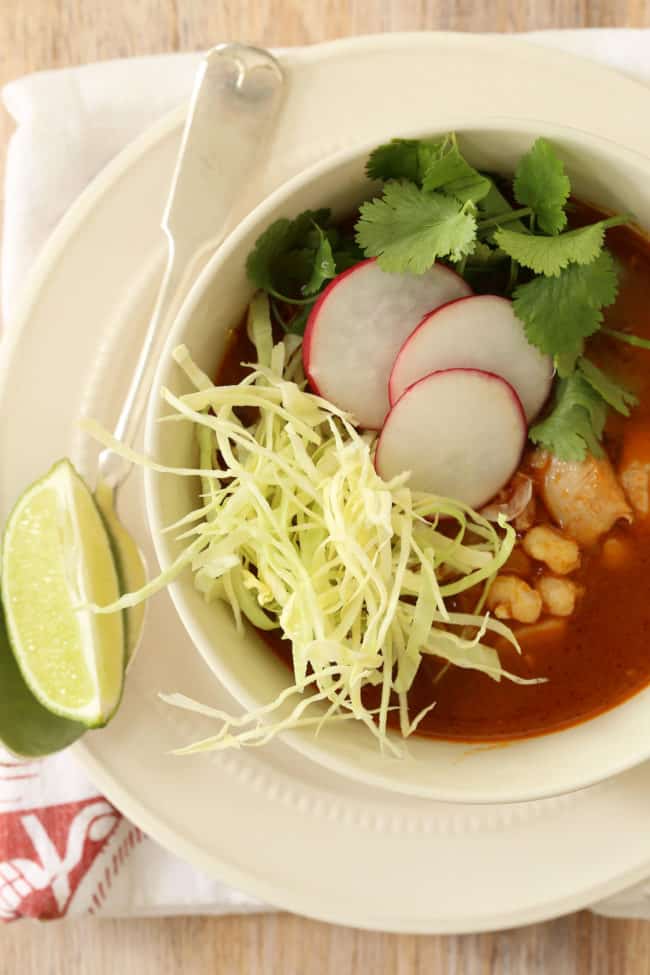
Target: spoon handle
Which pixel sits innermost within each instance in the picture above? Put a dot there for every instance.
(236, 98)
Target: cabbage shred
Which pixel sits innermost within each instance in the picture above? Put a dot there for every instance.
(297, 532)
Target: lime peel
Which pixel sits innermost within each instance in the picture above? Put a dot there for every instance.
(27, 729)
(56, 555)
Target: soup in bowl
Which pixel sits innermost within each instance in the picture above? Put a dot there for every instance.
(415, 437)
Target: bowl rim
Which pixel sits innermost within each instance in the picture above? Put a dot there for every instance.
(305, 744)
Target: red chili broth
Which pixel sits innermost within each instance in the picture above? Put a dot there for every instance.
(601, 655)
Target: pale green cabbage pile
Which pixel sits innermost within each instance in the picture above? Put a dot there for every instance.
(295, 530)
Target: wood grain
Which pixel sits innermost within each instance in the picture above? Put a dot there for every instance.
(288, 945)
(37, 34)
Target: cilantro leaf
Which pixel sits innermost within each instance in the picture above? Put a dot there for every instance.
(302, 226)
(408, 228)
(291, 269)
(576, 421)
(267, 248)
(434, 164)
(452, 174)
(559, 313)
(323, 267)
(542, 184)
(402, 159)
(614, 393)
(550, 255)
(282, 252)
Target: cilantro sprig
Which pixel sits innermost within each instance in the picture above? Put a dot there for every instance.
(575, 424)
(542, 184)
(431, 164)
(561, 311)
(434, 205)
(294, 259)
(551, 255)
(407, 229)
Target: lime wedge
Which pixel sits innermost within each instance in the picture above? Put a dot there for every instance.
(56, 560)
(27, 728)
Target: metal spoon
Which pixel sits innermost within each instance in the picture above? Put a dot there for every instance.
(236, 97)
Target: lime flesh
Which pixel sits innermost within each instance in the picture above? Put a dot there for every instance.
(57, 560)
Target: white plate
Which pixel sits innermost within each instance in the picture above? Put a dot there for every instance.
(601, 171)
(269, 821)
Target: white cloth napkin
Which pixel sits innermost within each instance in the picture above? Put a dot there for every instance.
(63, 849)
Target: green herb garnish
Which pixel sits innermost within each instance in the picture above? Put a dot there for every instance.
(560, 281)
(294, 259)
(452, 173)
(551, 255)
(323, 264)
(576, 422)
(407, 229)
(401, 159)
(614, 393)
(282, 260)
(542, 184)
(560, 312)
(434, 205)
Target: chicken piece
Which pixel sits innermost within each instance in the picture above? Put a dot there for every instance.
(635, 478)
(634, 469)
(548, 545)
(583, 497)
(510, 598)
(558, 595)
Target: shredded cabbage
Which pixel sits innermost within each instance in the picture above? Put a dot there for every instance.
(297, 532)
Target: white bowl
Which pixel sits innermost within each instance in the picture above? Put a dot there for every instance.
(602, 173)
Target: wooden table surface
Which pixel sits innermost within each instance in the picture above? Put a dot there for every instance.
(52, 33)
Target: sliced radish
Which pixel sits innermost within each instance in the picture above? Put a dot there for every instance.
(460, 433)
(357, 327)
(480, 332)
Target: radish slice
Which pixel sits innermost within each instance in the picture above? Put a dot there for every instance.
(357, 327)
(481, 332)
(459, 432)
